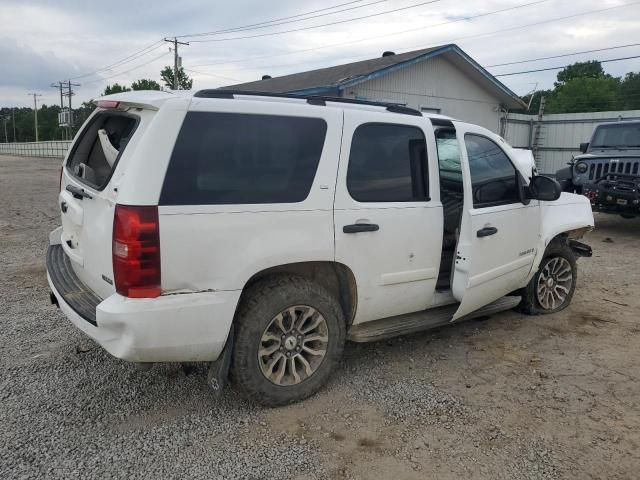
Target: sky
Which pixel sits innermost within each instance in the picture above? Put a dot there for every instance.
(99, 43)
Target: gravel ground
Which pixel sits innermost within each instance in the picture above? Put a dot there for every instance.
(511, 397)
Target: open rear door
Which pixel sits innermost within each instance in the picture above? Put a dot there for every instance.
(499, 231)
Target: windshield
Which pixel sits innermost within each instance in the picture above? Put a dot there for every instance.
(612, 136)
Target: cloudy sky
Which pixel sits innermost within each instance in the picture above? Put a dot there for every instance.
(97, 43)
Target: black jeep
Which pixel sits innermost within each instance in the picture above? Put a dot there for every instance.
(607, 172)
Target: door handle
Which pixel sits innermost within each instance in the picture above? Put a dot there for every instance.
(487, 232)
(78, 193)
(64, 207)
(360, 227)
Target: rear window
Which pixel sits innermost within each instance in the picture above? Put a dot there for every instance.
(96, 152)
(231, 158)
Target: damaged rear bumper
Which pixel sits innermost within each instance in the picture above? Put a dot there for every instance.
(170, 328)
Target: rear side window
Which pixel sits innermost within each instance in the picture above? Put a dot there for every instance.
(231, 158)
(388, 163)
(99, 147)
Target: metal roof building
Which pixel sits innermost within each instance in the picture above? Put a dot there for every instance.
(440, 79)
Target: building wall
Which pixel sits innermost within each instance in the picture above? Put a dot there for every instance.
(434, 83)
(560, 134)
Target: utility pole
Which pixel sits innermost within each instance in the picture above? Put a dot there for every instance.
(176, 60)
(71, 94)
(35, 111)
(13, 115)
(67, 91)
(60, 85)
(4, 120)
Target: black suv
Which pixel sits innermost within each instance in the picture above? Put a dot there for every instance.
(607, 171)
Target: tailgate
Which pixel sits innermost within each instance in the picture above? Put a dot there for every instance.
(89, 189)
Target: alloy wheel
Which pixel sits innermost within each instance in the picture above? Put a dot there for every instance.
(554, 283)
(293, 345)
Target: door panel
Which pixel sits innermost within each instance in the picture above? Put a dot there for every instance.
(497, 242)
(396, 264)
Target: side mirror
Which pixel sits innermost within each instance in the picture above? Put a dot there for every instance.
(544, 188)
(584, 146)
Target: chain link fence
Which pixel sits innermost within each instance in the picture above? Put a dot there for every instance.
(54, 149)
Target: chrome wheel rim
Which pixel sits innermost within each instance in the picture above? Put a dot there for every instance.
(293, 345)
(554, 283)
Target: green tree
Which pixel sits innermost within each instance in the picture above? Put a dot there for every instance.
(184, 82)
(586, 94)
(115, 88)
(592, 69)
(145, 84)
(630, 91)
(82, 113)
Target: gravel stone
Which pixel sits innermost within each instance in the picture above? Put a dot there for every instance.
(68, 410)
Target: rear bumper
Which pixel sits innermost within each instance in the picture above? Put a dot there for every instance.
(187, 327)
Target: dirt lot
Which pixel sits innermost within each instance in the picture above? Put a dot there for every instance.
(507, 397)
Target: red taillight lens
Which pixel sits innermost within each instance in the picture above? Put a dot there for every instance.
(136, 251)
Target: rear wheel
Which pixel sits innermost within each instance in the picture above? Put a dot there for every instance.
(290, 334)
(552, 287)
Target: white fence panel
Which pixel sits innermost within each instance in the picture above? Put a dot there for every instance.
(52, 149)
(560, 134)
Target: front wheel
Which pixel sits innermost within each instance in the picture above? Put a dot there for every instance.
(552, 287)
(290, 333)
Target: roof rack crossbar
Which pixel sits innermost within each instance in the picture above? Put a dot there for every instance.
(311, 99)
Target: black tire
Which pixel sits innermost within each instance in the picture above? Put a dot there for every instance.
(260, 304)
(530, 303)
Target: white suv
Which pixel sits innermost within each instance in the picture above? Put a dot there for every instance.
(260, 232)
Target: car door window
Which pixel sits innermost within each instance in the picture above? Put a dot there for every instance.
(493, 178)
(387, 163)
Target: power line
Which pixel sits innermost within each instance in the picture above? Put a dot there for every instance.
(139, 53)
(130, 70)
(561, 67)
(467, 18)
(415, 5)
(213, 75)
(520, 27)
(285, 20)
(157, 44)
(543, 22)
(564, 55)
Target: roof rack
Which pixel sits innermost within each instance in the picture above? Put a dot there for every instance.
(311, 99)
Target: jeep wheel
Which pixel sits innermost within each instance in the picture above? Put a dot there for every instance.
(551, 288)
(290, 333)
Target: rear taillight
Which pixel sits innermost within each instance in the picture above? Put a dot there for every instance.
(136, 251)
